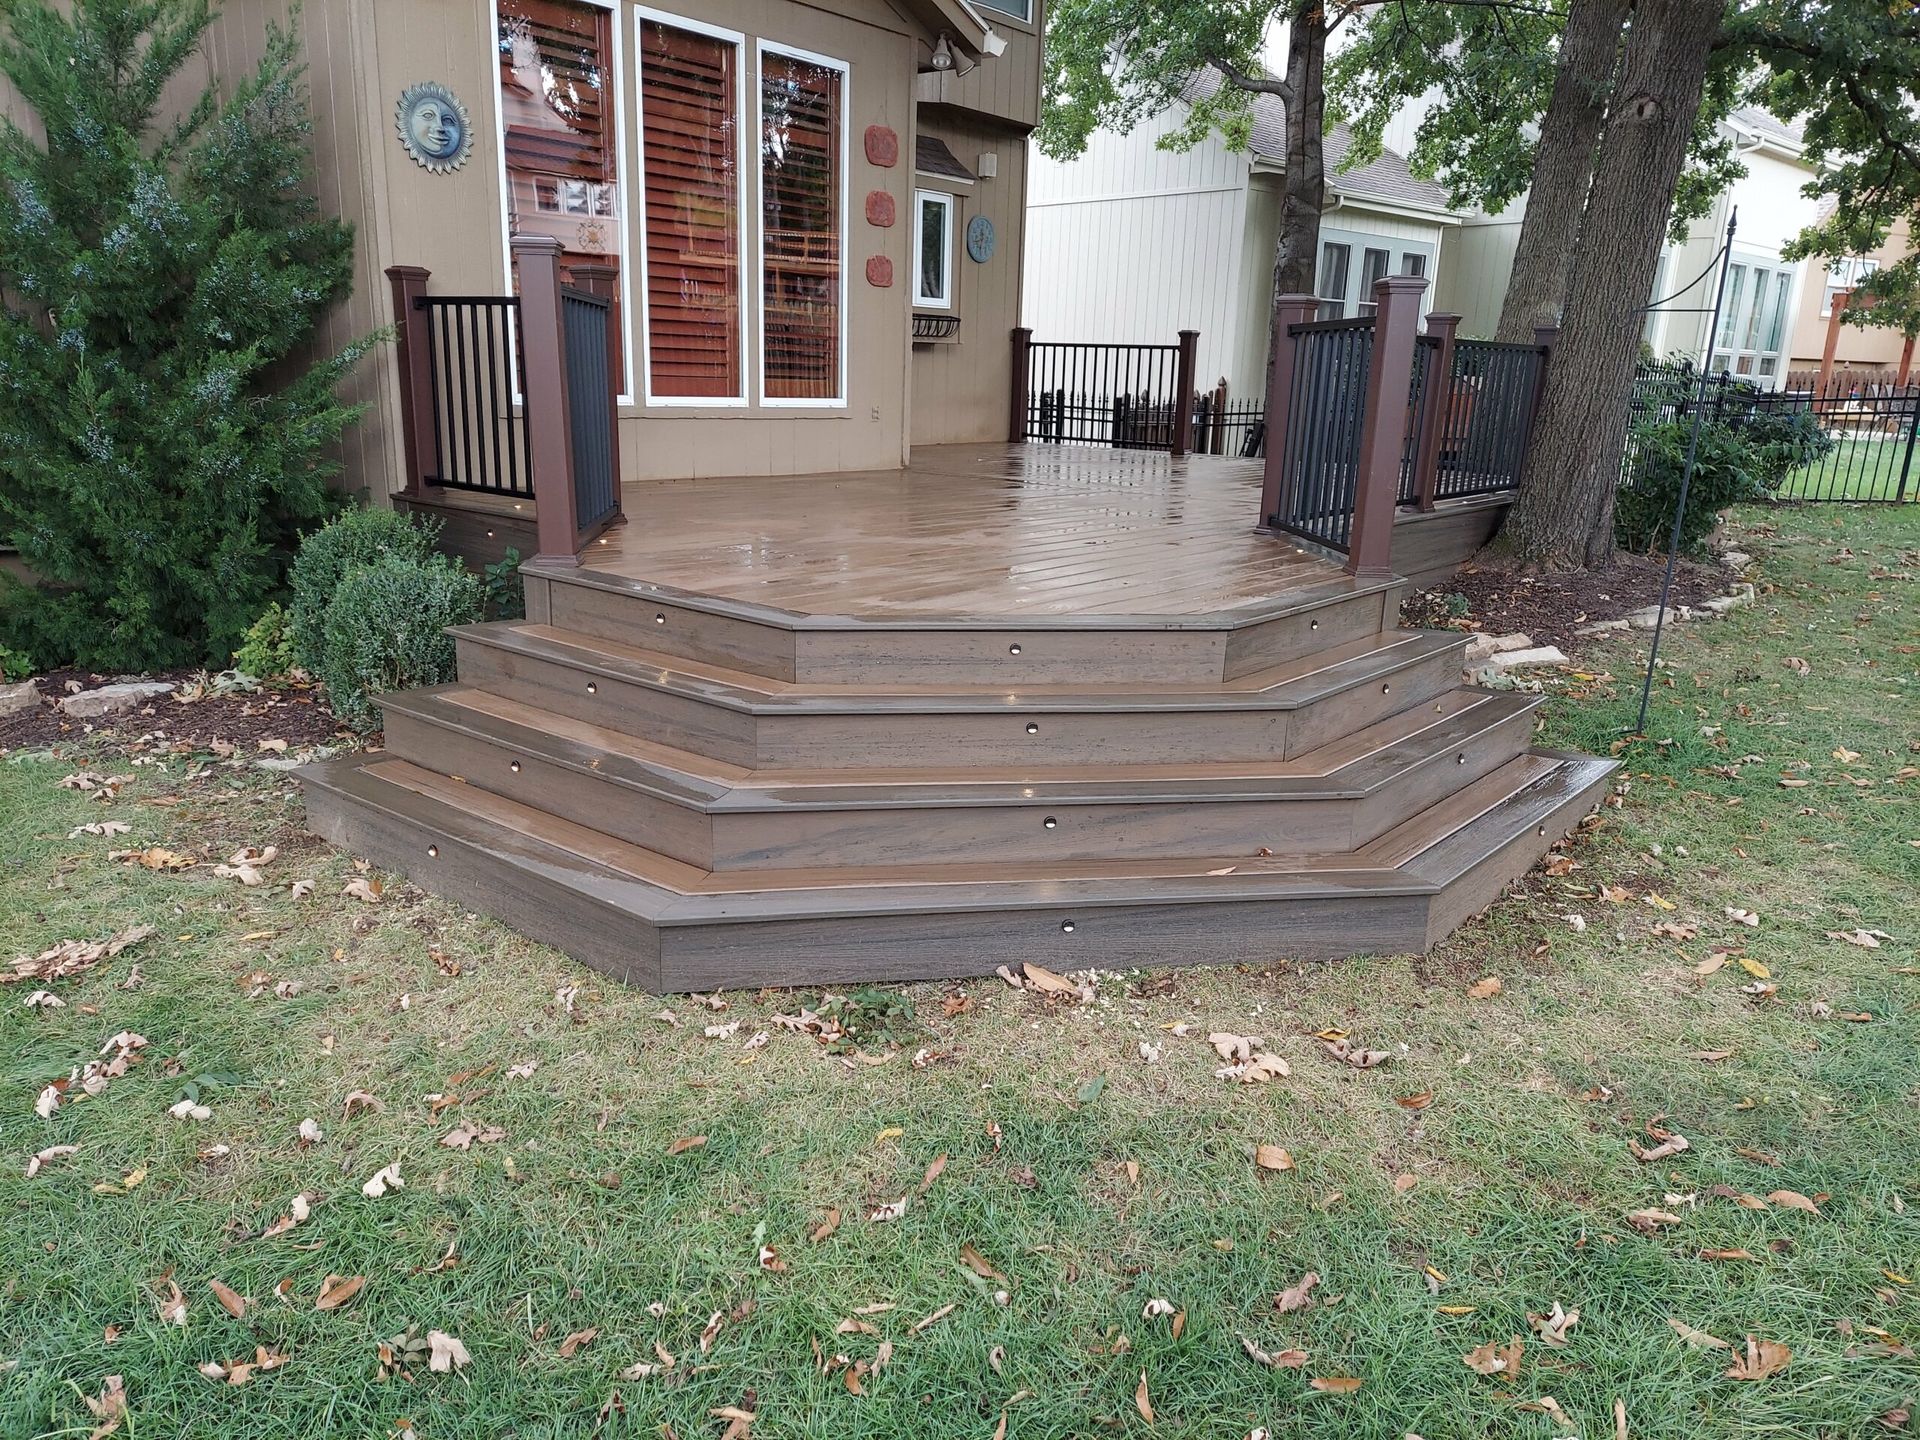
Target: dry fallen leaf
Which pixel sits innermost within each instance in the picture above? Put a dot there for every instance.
(446, 1352)
(1297, 1296)
(231, 1300)
(1272, 1359)
(1491, 1359)
(1793, 1200)
(1334, 1384)
(1272, 1157)
(337, 1290)
(1141, 1401)
(1698, 1339)
(383, 1180)
(1762, 1359)
(1485, 989)
(577, 1341)
(1552, 1328)
(686, 1143)
(829, 1223)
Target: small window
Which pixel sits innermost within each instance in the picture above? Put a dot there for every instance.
(933, 251)
(1373, 266)
(1333, 280)
(1413, 263)
(1018, 9)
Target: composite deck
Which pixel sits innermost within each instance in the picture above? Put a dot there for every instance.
(1011, 703)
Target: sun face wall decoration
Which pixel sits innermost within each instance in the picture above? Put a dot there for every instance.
(434, 127)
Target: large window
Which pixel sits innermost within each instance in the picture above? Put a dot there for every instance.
(933, 250)
(1753, 322)
(559, 118)
(695, 295)
(1331, 281)
(802, 221)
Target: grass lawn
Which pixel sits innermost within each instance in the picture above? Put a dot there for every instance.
(1864, 465)
(1481, 1174)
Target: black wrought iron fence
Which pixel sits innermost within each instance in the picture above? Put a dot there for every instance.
(475, 370)
(1853, 440)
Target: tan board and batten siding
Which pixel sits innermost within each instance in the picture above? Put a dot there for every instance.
(360, 55)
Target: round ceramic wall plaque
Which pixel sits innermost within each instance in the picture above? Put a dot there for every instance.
(980, 239)
(434, 127)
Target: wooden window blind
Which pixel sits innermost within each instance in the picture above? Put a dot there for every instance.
(690, 140)
(800, 205)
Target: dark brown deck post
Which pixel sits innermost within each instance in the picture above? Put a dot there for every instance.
(1441, 327)
(1017, 389)
(415, 350)
(1383, 431)
(549, 441)
(1288, 311)
(603, 282)
(1183, 382)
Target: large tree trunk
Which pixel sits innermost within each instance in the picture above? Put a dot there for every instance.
(1562, 517)
(1303, 190)
(1563, 166)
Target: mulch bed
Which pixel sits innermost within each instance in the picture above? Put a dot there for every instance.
(246, 721)
(1551, 608)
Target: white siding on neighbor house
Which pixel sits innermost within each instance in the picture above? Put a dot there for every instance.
(1473, 279)
(1132, 244)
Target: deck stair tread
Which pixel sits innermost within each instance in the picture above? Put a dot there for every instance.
(1291, 601)
(1350, 767)
(1420, 857)
(1383, 855)
(1293, 685)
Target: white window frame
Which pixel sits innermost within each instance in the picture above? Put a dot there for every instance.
(1749, 293)
(1844, 275)
(762, 48)
(950, 207)
(621, 178)
(738, 40)
(1021, 10)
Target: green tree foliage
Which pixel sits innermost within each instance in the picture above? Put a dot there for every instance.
(162, 437)
(1490, 71)
(1852, 69)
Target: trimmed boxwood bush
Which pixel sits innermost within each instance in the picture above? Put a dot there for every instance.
(386, 630)
(1724, 473)
(332, 553)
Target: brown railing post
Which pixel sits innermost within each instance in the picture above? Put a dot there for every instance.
(603, 282)
(1288, 311)
(1441, 328)
(415, 352)
(1017, 390)
(1219, 435)
(1183, 383)
(549, 437)
(1383, 428)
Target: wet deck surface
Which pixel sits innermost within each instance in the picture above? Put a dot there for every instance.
(1005, 530)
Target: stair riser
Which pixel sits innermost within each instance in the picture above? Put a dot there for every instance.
(603, 936)
(676, 720)
(1254, 648)
(852, 948)
(657, 822)
(726, 641)
(1487, 880)
(1066, 655)
(1361, 705)
(962, 740)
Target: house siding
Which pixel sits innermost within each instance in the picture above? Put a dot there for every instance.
(1130, 244)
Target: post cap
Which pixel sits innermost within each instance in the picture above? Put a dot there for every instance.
(536, 244)
(1400, 285)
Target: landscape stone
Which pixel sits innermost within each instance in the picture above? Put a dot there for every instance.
(1737, 559)
(1602, 627)
(17, 698)
(113, 699)
(1483, 645)
(1539, 655)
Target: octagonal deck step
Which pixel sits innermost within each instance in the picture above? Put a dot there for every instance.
(719, 816)
(661, 923)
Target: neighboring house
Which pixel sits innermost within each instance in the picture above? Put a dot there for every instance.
(1133, 243)
(1764, 292)
(1856, 347)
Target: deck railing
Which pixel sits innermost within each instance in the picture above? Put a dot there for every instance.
(515, 395)
(1369, 414)
(1133, 397)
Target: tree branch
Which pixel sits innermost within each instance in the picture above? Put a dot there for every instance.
(1253, 84)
